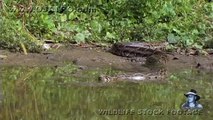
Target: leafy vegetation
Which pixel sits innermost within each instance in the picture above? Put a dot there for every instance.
(181, 22)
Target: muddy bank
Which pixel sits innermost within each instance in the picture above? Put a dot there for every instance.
(93, 57)
(1, 96)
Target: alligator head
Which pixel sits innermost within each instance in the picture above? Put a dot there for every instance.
(135, 76)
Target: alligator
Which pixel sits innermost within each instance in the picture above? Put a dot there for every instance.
(150, 54)
(141, 51)
(136, 77)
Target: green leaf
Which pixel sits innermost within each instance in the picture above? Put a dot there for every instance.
(96, 26)
(195, 31)
(188, 41)
(63, 18)
(172, 38)
(79, 37)
(72, 16)
(86, 33)
(177, 31)
(110, 35)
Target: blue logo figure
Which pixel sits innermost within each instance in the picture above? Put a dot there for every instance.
(192, 99)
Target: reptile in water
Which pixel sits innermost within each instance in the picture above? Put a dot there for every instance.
(153, 55)
(136, 77)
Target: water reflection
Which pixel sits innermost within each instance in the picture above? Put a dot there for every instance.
(1, 95)
(46, 93)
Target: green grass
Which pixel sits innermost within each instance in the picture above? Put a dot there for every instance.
(106, 22)
(49, 93)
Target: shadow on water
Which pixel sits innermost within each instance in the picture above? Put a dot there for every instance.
(67, 93)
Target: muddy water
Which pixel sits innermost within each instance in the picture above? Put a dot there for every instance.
(1, 95)
(68, 92)
(47, 86)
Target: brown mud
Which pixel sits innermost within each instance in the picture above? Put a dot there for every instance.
(95, 57)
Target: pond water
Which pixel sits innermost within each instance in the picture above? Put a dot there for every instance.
(68, 93)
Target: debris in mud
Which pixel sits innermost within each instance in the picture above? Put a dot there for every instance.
(206, 67)
(3, 56)
(175, 58)
(209, 51)
(189, 51)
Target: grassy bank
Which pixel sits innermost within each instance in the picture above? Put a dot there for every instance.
(26, 24)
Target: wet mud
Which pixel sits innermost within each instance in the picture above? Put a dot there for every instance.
(95, 57)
